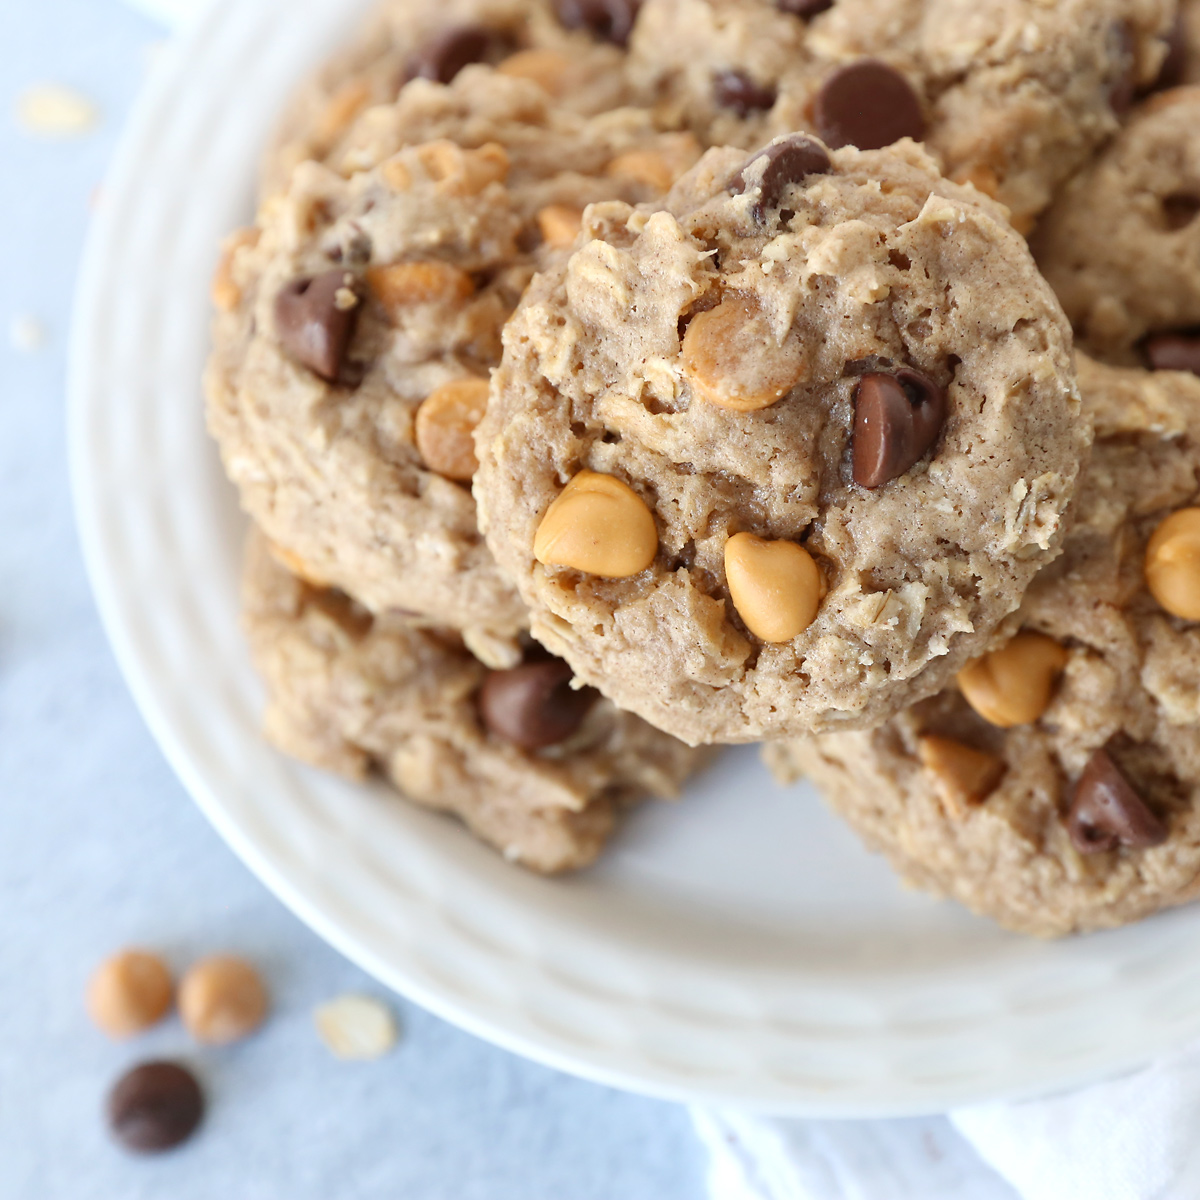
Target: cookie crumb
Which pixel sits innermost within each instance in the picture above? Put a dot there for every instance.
(52, 111)
(356, 1028)
(26, 333)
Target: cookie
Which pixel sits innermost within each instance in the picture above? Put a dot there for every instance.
(1121, 244)
(359, 319)
(538, 771)
(1013, 95)
(581, 68)
(1057, 788)
(779, 457)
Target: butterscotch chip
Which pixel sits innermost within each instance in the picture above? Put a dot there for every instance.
(559, 224)
(657, 167)
(402, 284)
(128, 993)
(1173, 564)
(549, 69)
(225, 292)
(446, 427)
(775, 586)
(963, 775)
(1014, 684)
(222, 999)
(598, 525)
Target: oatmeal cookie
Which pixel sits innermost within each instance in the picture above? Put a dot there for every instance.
(359, 319)
(1057, 787)
(537, 770)
(779, 457)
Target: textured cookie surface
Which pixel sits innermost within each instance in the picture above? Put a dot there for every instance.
(350, 693)
(1013, 94)
(1121, 245)
(788, 296)
(1129, 687)
(433, 245)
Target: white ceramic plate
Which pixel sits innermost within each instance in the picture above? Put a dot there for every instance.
(739, 947)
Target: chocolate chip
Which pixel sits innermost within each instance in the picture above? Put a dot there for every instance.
(897, 417)
(867, 104)
(803, 8)
(788, 160)
(1106, 812)
(314, 320)
(1180, 210)
(610, 20)
(1173, 351)
(445, 54)
(736, 90)
(1170, 74)
(154, 1106)
(1123, 90)
(533, 705)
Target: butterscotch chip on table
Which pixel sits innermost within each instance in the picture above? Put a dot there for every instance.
(763, 461)
(1013, 96)
(222, 999)
(536, 767)
(128, 993)
(359, 319)
(1087, 704)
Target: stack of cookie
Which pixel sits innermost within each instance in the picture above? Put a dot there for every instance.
(608, 381)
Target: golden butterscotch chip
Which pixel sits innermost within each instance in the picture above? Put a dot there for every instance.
(963, 775)
(222, 999)
(775, 586)
(225, 291)
(297, 565)
(547, 68)
(598, 525)
(460, 172)
(1173, 564)
(559, 224)
(128, 993)
(659, 166)
(1014, 684)
(445, 427)
(402, 284)
(732, 359)
(342, 107)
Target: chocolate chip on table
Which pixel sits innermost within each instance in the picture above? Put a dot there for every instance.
(789, 160)
(1173, 351)
(315, 319)
(736, 90)
(803, 8)
(1106, 812)
(897, 417)
(533, 706)
(155, 1106)
(442, 57)
(867, 104)
(610, 20)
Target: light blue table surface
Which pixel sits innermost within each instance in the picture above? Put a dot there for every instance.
(100, 846)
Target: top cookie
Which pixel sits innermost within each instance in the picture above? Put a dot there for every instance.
(819, 425)
(1057, 788)
(1013, 95)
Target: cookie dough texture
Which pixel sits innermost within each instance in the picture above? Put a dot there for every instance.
(330, 471)
(353, 693)
(1131, 684)
(1017, 94)
(334, 111)
(883, 261)
(1121, 245)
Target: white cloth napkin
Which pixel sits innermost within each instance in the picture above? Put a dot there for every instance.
(1132, 1138)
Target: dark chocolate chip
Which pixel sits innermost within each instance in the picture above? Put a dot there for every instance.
(897, 417)
(155, 1106)
(867, 104)
(736, 90)
(1174, 351)
(313, 324)
(803, 8)
(1106, 812)
(1170, 74)
(1180, 210)
(533, 705)
(445, 54)
(786, 161)
(609, 20)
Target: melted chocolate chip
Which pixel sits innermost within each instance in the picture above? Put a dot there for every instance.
(869, 105)
(315, 321)
(155, 1106)
(803, 8)
(1173, 351)
(736, 90)
(533, 705)
(1106, 812)
(897, 417)
(787, 161)
(445, 54)
(609, 20)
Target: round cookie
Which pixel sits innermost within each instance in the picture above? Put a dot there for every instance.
(1013, 95)
(580, 68)
(351, 693)
(813, 382)
(1121, 244)
(355, 301)
(1087, 814)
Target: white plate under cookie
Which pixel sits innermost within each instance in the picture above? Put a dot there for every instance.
(738, 947)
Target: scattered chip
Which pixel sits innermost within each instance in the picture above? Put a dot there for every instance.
(356, 1028)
